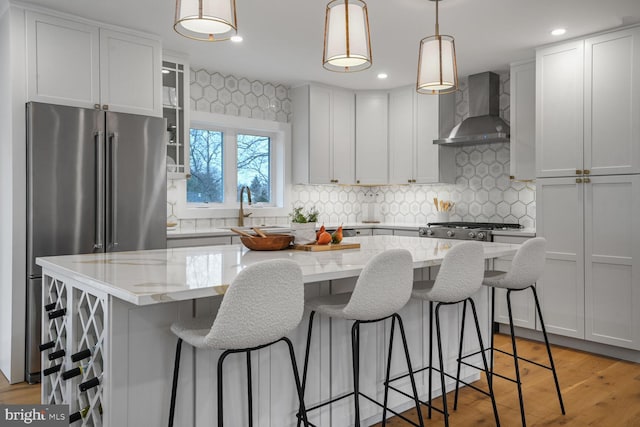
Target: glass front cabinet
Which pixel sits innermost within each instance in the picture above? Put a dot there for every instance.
(175, 109)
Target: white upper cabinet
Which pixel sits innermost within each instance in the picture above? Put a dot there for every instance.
(372, 138)
(587, 104)
(413, 125)
(323, 135)
(401, 135)
(63, 61)
(80, 64)
(130, 73)
(612, 103)
(559, 105)
(522, 121)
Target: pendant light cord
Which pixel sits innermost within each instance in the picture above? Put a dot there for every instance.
(437, 24)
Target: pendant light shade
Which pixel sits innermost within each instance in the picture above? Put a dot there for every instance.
(347, 45)
(207, 20)
(437, 68)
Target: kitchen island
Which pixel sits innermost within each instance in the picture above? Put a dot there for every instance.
(120, 306)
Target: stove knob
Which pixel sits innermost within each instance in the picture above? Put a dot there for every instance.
(481, 236)
(472, 235)
(429, 232)
(451, 233)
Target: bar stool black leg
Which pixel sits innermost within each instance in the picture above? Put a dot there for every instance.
(442, 380)
(515, 359)
(409, 367)
(387, 376)
(493, 319)
(546, 341)
(484, 361)
(355, 354)
(430, 355)
(249, 389)
(296, 377)
(220, 401)
(306, 359)
(464, 314)
(174, 387)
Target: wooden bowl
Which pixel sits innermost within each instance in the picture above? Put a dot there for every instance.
(273, 242)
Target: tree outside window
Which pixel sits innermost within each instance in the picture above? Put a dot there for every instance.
(254, 155)
(206, 182)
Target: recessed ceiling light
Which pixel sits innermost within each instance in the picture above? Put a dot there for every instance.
(236, 39)
(382, 76)
(558, 32)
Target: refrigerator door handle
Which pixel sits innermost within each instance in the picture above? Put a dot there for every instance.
(113, 196)
(99, 221)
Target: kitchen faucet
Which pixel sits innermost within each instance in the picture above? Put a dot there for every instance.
(241, 214)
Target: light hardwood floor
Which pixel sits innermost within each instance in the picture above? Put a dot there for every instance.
(597, 391)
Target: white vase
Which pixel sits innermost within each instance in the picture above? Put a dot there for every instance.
(303, 233)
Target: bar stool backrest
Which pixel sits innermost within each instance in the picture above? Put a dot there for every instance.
(263, 304)
(460, 274)
(384, 286)
(527, 265)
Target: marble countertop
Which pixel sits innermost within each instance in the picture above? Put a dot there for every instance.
(155, 276)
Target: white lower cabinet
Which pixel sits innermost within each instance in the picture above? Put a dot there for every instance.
(591, 285)
(523, 306)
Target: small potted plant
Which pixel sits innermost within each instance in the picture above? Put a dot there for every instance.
(303, 225)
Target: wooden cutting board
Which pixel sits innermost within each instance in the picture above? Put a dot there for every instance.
(319, 248)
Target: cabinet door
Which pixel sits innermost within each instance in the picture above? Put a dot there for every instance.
(612, 254)
(343, 142)
(130, 73)
(401, 135)
(63, 61)
(432, 163)
(559, 219)
(559, 110)
(523, 115)
(611, 110)
(320, 149)
(371, 138)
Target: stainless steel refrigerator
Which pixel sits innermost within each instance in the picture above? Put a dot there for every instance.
(96, 182)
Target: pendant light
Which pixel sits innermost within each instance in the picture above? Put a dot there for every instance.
(437, 68)
(347, 44)
(206, 20)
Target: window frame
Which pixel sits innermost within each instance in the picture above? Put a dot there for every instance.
(280, 169)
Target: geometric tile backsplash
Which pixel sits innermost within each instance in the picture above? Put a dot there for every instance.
(482, 191)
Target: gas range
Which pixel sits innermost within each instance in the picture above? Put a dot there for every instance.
(480, 231)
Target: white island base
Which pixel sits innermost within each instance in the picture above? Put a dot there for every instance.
(134, 350)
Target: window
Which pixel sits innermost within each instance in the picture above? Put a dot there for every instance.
(206, 184)
(218, 156)
(227, 153)
(253, 167)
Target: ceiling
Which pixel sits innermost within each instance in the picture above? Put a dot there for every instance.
(283, 39)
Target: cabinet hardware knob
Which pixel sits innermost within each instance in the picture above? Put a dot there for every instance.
(105, 107)
(578, 180)
(587, 180)
(358, 181)
(587, 172)
(409, 181)
(96, 106)
(578, 171)
(511, 177)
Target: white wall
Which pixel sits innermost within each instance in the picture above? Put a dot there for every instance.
(12, 194)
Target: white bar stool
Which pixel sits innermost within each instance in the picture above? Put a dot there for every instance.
(383, 288)
(526, 268)
(459, 278)
(264, 303)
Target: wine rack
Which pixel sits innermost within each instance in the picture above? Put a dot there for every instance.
(73, 350)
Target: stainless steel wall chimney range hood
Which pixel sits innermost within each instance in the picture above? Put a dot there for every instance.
(484, 125)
